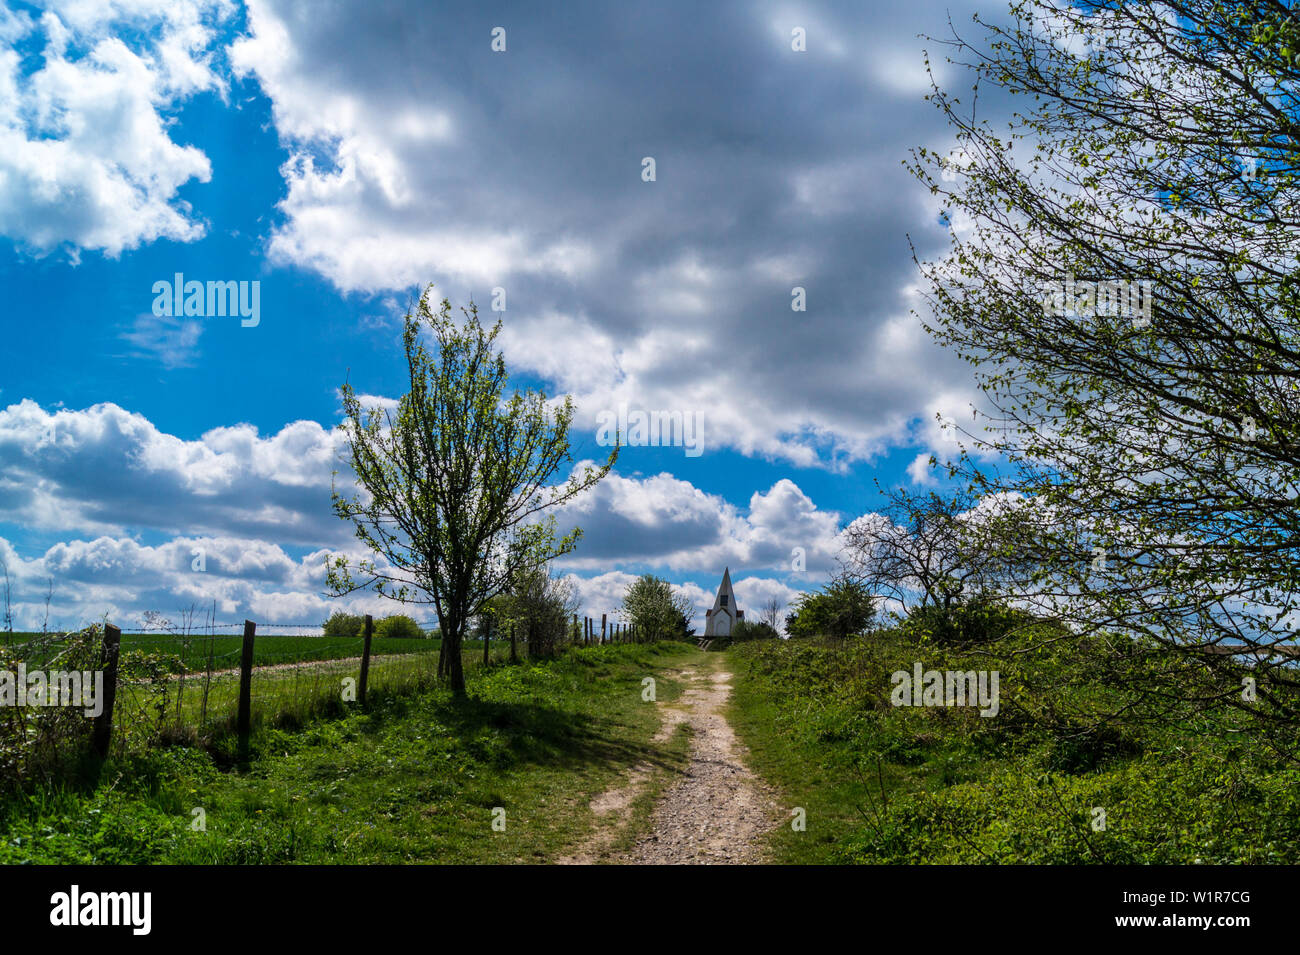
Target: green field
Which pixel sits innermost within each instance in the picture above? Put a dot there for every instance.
(224, 650)
(415, 778)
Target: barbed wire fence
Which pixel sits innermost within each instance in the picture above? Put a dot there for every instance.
(204, 679)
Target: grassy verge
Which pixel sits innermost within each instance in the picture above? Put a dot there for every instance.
(416, 778)
(284, 696)
(938, 784)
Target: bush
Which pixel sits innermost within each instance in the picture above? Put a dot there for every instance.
(48, 743)
(399, 625)
(656, 611)
(342, 624)
(843, 609)
(977, 621)
(745, 631)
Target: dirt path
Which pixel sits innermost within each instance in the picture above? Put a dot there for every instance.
(716, 812)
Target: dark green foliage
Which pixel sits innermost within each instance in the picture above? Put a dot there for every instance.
(976, 621)
(745, 631)
(656, 612)
(342, 624)
(399, 626)
(844, 608)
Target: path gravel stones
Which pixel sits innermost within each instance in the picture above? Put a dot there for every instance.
(717, 812)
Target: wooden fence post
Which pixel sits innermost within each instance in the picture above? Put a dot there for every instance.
(602, 628)
(245, 719)
(365, 659)
(103, 731)
(514, 654)
(487, 638)
(575, 628)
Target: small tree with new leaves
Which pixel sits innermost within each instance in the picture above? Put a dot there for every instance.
(454, 485)
(656, 612)
(844, 608)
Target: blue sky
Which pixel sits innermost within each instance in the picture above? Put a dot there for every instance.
(343, 155)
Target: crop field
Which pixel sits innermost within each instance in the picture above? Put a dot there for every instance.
(222, 651)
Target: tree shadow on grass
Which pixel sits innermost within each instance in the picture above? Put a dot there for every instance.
(548, 736)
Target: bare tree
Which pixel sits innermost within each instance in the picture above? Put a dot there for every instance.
(940, 550)
(9, 609)
(49, 596)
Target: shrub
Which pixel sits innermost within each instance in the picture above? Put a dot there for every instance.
(977, 621)
(399, 625)
(745, 631)
(844, 608)
(342, 624)
(656, 611)
(49, 742)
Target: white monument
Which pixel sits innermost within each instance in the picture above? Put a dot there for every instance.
(719, 621)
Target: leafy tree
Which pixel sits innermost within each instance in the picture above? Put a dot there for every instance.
(1155, 440)
(656, 612)
(342, 624)
(399, 625)
(454, 485)
(844, 608)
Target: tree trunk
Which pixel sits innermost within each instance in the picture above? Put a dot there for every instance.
(455, 667)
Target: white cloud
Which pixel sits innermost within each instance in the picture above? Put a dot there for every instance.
(666, 295)
(664, 522)
(119, 579)
(111, 477)
(104, 470)
(173, 342)
(86, 156)
(920, 471)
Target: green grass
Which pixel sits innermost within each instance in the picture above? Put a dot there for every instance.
(415, 778)
(885, 784)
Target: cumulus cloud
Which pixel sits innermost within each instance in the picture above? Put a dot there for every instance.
(664, 521)
(119, 579)
(232, 500)
(104, 470)
(522, 170)
(86, 154)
